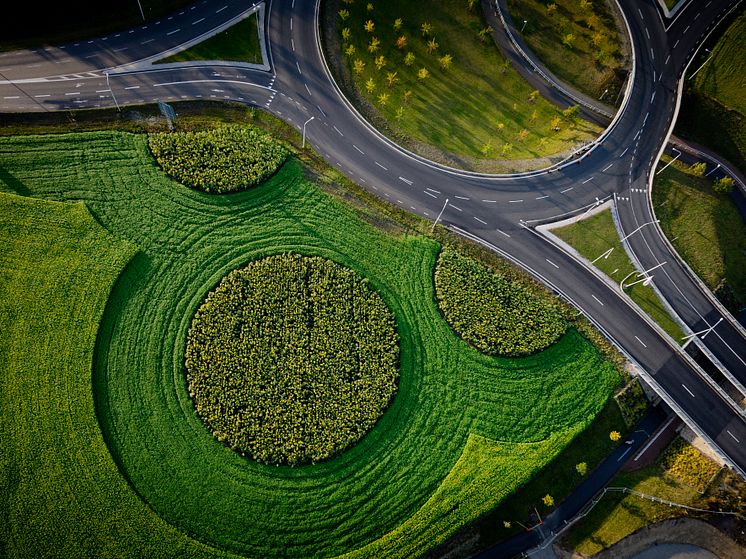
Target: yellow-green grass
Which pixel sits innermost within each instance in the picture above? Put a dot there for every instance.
(475, 108)
(618, 515)
(670, 4)
(594, 236)
(713, 111)
(589, 67)
(238, 43)
(464, 431)
(705, 227)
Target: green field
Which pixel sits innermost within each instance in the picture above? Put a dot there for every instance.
(464, 431)
(592, 237)
(476, 111)
(706, 229)
(718, 95)
(238, 43)
(590, 67)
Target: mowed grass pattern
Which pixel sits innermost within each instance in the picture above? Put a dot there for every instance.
(381, 493)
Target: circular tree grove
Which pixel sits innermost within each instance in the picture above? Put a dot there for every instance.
(292, 359)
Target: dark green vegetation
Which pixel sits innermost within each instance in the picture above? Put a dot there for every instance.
(706, 229)
(226, 159)
(718, 95)
(464, 431)
(292, 359)
(238, 43)
(678, 475)
(46, 23)
(465, 109)
(592, 237)
(491, 313)
(578, 40)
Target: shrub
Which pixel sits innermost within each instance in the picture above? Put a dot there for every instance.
(226, 159)
(684, 462)
(292, 359)
(491, 313)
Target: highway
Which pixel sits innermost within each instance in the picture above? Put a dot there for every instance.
(498, 211)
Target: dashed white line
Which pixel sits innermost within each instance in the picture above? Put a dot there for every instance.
(625, 453)
(503, 233)
(357, 148)
(685, 388)
(515, 201)
(462, 197)
(221, 9)
(174, 31)
(552, 263)
(480, 220)
(597, 300)
(133, 87)
(309, 91)
(433, 190)
(542, 197)
(291, 24)
(647, 32)
(652, 97)
(381, 166)
(292, 43)
(667, 59)
(18, 96)
(625, 151)
(200, 20)
(430, 194)
(321, 110)
(567, 190)
(489, 201)
(148, 41)
(676, 43)
(732, 435)
(338, 131)
(652, 54)
(73, 93)
(298, 66)
(46, 95)
(609, 166)
(405, 180)
(588, 179)
(639, 340)
(455, 207)
(687, 28)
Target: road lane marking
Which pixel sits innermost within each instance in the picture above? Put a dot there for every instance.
(625, 151)
(552, 263)
(687, 28)
(732, 435)
(200, 20)
(321, 110)
(642, 17)
(676, 43)
(433, 190)
(291, 24)
(292, 43)
(338, 131)
(46, 95)
(685, 388)
(430, 194)
(174, 31)
(405, 180)
(18, 96)
(462, 197)
(597, 300)
(542, 197)
(221, 9)
(502, 232)
(381, 166)
(639, 340)
(666, 62)
(624, 454)
(652, 97)
(588, 179)
(455, 207)
(609, 166)
(647, 32)
(567, 189)
(73, 93)
(480, 220)
(148, 41)
(489, 201)
(357, 148)
(133, 87)
(515, 201)
(309, 91)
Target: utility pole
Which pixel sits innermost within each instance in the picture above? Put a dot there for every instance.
(304, 131)
(437, 219)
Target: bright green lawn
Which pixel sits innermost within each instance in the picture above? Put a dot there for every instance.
(589, 67)
(595, 235)
(476, 108)
(705, 227)
(464, 431)
(238, 43)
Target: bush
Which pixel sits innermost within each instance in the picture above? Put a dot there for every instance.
(491, 313)
(292, 359)
(226, 159)
(684, 462)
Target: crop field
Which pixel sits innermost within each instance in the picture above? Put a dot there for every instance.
(104, 454)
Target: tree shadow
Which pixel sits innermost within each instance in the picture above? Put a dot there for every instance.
(7, 178)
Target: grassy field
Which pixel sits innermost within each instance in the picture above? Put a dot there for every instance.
(594, 59)
(717, 95)
(592, 237)
(238, 43)
(680, 475)
(476, 109)
(464, 432)
(707, 230)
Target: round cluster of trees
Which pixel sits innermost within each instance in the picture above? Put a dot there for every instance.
(292, 359)
(491, 313)
(226, 159)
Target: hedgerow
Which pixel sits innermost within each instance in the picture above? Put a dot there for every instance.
(221, 160)
(292, 359)
(496, 316)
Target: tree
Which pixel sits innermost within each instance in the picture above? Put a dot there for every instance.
(585, 4)
(555, 123)
(391, 78)
(401, 42)
(409, 59)
(383, 98)
(571, 113)
(522, 135)
(534, 116)
(370, 85)
(500, 126)
(724, 184)
(370, 26)
(592, 21)
(426, 28)
(507, 524)
(397, 24)
(399, 113)
(432, 45)
(407, 96)
(344, 14)
(369, 7)
(597, 39)
(533, 96)
(445, 61)
(350, 50)
(380, 62)
(423, 74)
(358, 66)
(568, 40)
(581, 468)
(551, 9)
(542, 143)
(374, 45)
(698, 169)
(486, 148)
(548, 500)
(615, 436)
(507, 148)
(346, 34)
(484, 33)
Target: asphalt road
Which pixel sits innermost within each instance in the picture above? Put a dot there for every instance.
(498, 211)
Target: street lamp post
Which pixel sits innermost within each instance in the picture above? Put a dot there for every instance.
(703, 332)
(705, 62)
(108, 85)
(636, 230)
(524, 25)
(304, 131)
(141, 12)
(645, 280)
(437, 219)
(667, 164)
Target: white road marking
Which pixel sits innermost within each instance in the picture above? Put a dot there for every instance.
(652, 54)
(174, 31)
(625, 453)
(18, 96)
(639, 340)
(515, 201)
(430, 194)
(381, 166)
(321, 110)
(552, 263)
(40, 96)
(357, 148)
(732, 435)
(503, 232)
(405, 180)
(647, 32)
(641, 16)
(338, 131)
(685, 388)
(133, 87)
(148, 41)
(609, 166)
(625, 151)
(480, 220)
(676, 43)
(652, 97)
(462, 197)
(298, 65)
(687, 28)
(200, 20)
(489, 201)
(667, 59)
(292, 43)
(309, 91)
(121, 49)
(455, 207)
(597, 299)
(542, 197)
(588, 179)
(567, 190)
(73, 93)
(433, 190)
(221, 9)
(291, 24)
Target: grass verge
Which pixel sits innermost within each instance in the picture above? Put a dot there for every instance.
(594, 236)
(238, 43)
(706, 229)
(444, 414)
(580, 42)
(470, 111)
